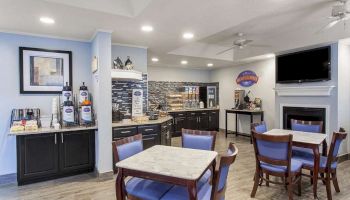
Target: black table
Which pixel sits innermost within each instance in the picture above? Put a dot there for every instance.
(242, 112)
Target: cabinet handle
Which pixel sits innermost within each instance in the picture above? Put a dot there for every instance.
(199, 119)
(209, 118)
(164, 127)
(175, 122)
(125, 131)
(149, 129)
(62, 138)
(55, 138)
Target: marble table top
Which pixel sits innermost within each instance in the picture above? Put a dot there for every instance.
(170, 161)
(301, 137)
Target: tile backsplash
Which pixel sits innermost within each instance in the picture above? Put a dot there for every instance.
(122, 93)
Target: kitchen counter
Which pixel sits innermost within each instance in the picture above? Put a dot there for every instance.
(51, 130)
(132, 123)
(193, 109)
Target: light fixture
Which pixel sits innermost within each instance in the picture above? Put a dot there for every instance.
(47, 20)
(155, 59)
(188, 35)
(147, 28)
(184, 62)
(210, 64)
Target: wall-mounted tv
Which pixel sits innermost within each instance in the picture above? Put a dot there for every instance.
(304, 66)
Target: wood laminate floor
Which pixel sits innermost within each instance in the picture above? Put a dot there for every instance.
(240, 182)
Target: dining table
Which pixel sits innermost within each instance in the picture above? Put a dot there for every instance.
(174, 165)
(307, 140)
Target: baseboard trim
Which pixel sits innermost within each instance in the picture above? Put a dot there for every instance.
(103, 176)
(8, 179)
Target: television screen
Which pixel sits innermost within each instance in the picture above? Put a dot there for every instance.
(304, 66)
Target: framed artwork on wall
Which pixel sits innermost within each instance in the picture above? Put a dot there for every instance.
(44, 71)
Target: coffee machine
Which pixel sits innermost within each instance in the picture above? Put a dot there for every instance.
(239, 99)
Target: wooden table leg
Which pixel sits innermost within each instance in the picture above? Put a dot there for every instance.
(226, 123)
(236, 124)
(251, 122)
(262, 116)
(316, 168)
(119, 186)
(213, 175)
(192, 190)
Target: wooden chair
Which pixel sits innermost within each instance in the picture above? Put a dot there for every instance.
(197, 139)
(136, 188)
(216, 191)
(328, 165)
(259, 128)
(274, 157)
(307, 126)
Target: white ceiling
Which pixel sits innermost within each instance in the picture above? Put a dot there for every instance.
(280, 24)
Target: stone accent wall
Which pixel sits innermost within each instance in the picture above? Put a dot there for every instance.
(122, 93)
(158, 90)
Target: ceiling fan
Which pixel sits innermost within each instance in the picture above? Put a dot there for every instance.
(340, 13)
(240, 43)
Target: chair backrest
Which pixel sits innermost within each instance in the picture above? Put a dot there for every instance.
(259, 127)
(125, 148)
(273, 149)
(307, 126)
(337, 138)
(220, 175)
(196, 139)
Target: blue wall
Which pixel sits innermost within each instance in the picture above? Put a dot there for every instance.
(9, 84)
(137, 55)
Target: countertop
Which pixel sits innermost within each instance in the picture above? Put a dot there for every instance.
(51, 130)
(158, 121)
(193, 109)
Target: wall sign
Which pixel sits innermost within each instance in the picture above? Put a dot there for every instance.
(137, 95)
(247, 78)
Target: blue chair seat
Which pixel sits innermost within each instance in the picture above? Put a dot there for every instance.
(300, 151)
(146, 189)
(309, 161)
(152, 190)
(181, 193)
(295, 166)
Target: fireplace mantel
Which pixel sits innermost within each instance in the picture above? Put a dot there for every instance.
(304, 91)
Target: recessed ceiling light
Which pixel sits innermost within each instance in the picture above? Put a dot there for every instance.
(210, 64)
(188, 35)
(155, 59)
(147, 28)
(184, 62)
(47, 20)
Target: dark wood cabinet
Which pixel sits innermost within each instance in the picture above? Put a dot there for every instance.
(53, 155)
(213, 120)
(150, 135)
(179, 124)
(76, 151)
(37, 157)
(203, 121)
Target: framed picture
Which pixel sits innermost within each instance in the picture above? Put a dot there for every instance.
(44, 71)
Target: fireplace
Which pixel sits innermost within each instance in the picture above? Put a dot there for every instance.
(303, 113)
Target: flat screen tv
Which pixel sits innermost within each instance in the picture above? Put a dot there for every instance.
(304, 66)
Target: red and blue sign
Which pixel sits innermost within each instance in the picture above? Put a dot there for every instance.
(247, 78)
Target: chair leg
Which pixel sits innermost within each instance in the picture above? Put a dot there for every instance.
(328, 186)
(256, 183)
(290, 188)
(311, 180)
(267, 180)
(335, 181)
(299, 185)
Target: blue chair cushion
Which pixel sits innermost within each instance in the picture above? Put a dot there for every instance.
(295, 166)
(129, 149)
(146, 189)
(306, 128)
(201, 142)
(300, 151)
(204, 179)
(181, 193)
(309, 161)
(261, 128)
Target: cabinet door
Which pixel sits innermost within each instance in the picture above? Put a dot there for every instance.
(37, 157)
(203, 120)
(213, 120)
(180, 123)
(192, 122)
(150, 140)
(123, 132)
(77, 151)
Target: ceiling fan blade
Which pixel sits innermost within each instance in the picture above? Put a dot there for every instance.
(221, 52)
(259, 45)
(245, 42)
